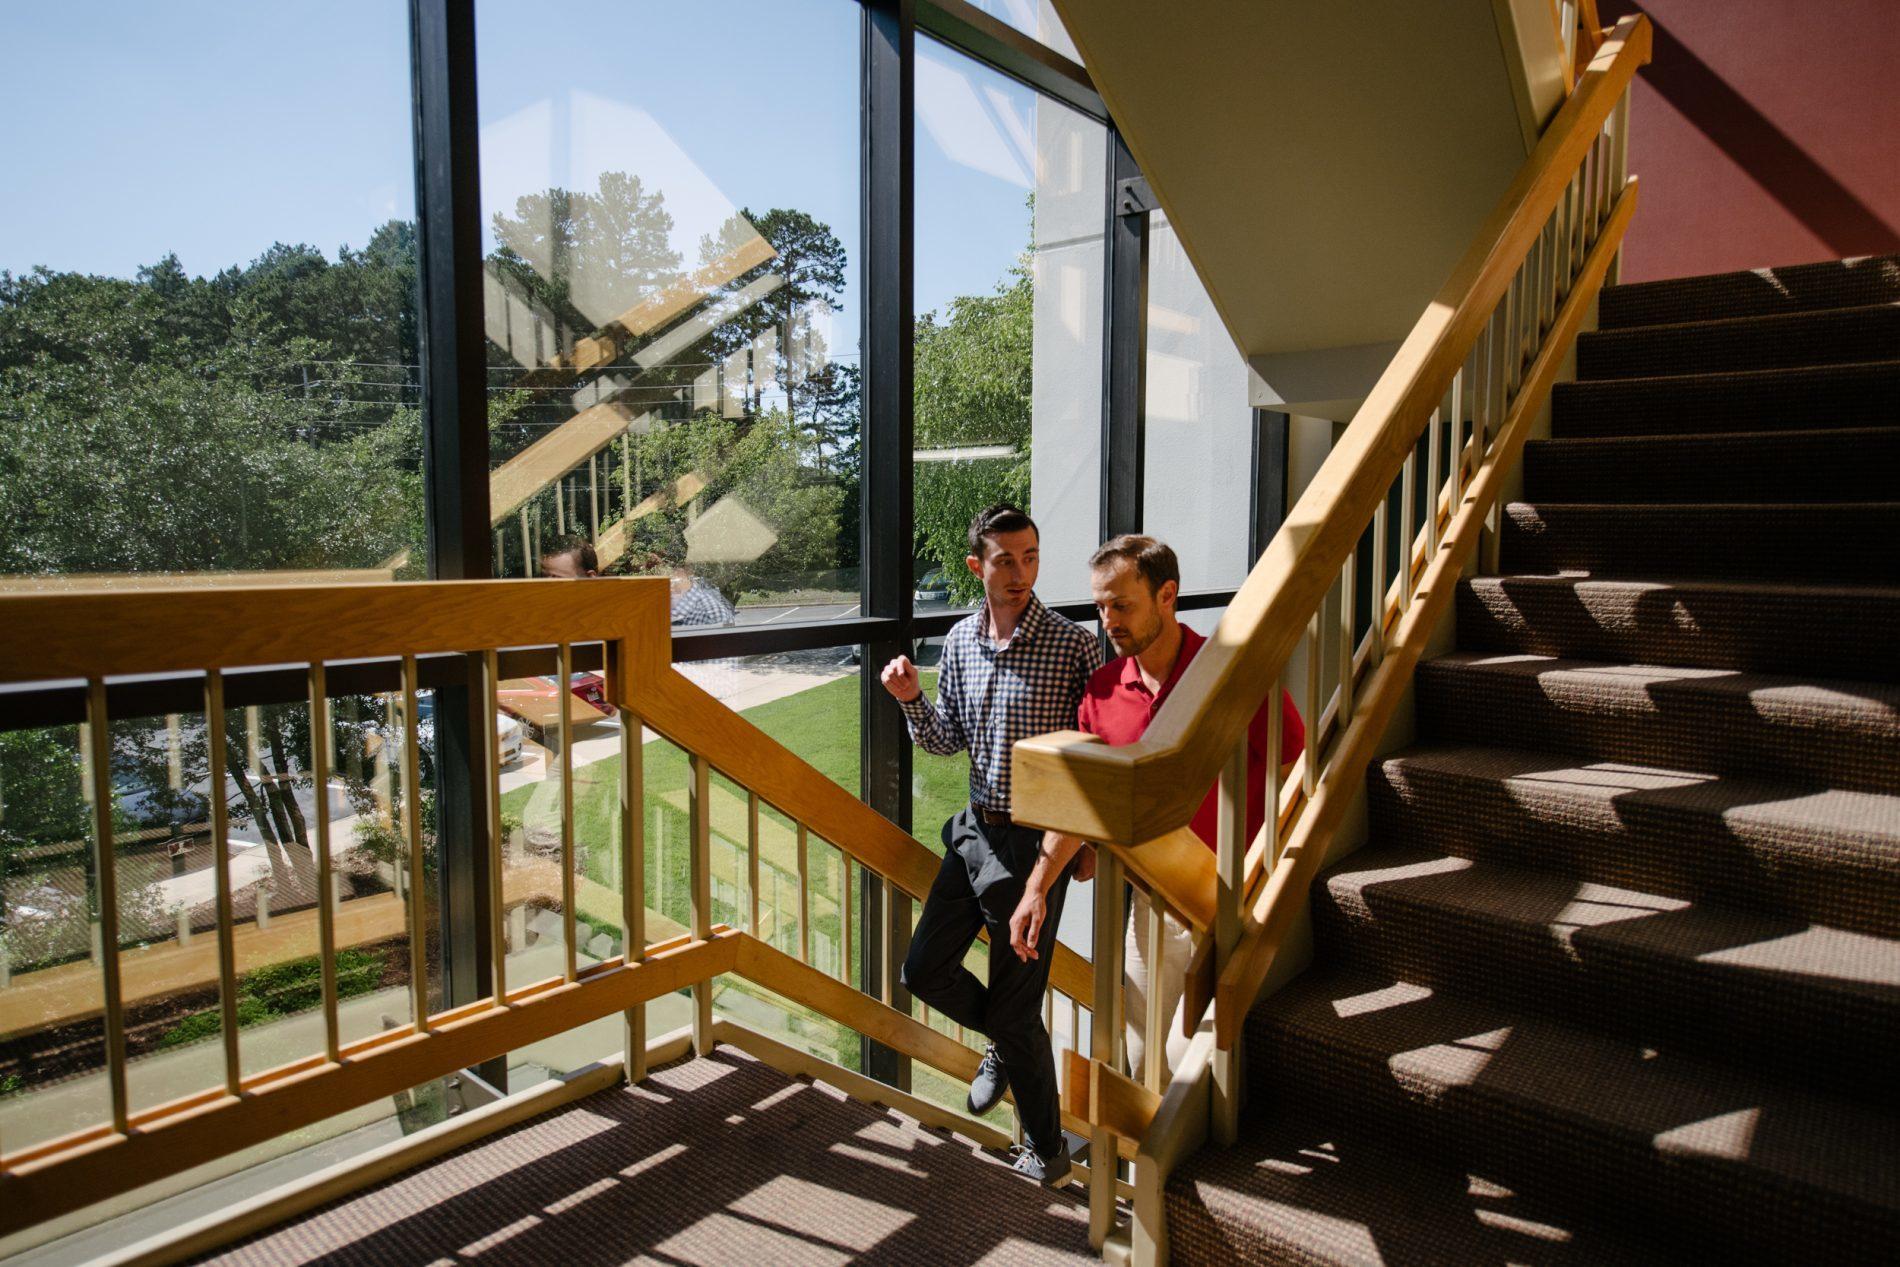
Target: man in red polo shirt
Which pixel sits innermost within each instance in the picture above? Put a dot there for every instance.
(1136, 581)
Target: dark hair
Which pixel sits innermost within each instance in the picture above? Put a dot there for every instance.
(561, 547)
(1154, 560)
(996, 520)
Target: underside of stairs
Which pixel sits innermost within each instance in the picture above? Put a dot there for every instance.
(714, 1161)
(1617, 974)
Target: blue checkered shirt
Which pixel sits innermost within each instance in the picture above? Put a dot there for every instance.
(702, 604)
(988, 697)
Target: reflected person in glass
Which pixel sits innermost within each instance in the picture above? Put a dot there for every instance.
(569, 559)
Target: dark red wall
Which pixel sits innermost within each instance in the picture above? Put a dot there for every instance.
(1764, 132)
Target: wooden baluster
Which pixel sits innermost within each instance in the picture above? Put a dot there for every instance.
(326, 888)
(804, 898)
(215, 740)
(570, 918)
(527, 545)
(1408, 530)
(888, 945)
(1155, 1025)
(411, 773)
(1434, 482)
(1276, 739)
(497, 855)
(1314, 706)
(96, 741)
(1348, 644)
(846, 936)
(1103, 1158)
(633, 862)
(1230, 846)
(700, 874)
(1381, 586)
(752, 857)
(1619, 172)
(1455, 447)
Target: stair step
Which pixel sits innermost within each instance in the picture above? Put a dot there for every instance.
(1830, 337)
(1325, 1192)
(1800, 731)
(1850, 542)
(1821, 1004)
(1827, 396)
(1774, 1170)
(1826, 855)
(1841, 632)
(1850, 464)
(1755, 293)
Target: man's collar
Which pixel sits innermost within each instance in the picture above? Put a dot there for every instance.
(1034, 617)
(1131, 665)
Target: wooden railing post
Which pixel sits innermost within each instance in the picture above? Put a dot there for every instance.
(1105, 1037)
(633, 861)
(700, 877)
(1230, 852)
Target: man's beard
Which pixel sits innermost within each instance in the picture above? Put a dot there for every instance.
(1134, 643)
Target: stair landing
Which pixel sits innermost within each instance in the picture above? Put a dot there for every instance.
(716, 1160)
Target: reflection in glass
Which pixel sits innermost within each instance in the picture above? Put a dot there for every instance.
(1008, 339)
(1033, 17)
(670, 301)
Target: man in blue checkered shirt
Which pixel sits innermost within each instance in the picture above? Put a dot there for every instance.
(1010, 670)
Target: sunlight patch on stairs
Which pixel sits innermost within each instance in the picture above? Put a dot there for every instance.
(1729, 1136)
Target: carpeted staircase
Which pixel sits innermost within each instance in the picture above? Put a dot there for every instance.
(1617, 975)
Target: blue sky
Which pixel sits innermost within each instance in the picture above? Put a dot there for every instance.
(215, 129)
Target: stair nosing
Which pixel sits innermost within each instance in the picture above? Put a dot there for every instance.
(1506, 874)
(1634, 380)
(1763, 318)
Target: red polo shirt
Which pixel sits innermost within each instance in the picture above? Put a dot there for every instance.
(1117, 706)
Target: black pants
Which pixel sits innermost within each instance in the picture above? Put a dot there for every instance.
(979, 884)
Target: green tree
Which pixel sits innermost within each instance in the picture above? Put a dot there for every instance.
(973, 389)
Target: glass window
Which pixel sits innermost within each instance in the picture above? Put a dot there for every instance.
(1200, 427)
(208, 357)
(671, 298)
(1010, 211)
(1033, 17)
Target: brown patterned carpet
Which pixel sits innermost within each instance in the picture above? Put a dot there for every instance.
(716, 1161)
(1617, 974)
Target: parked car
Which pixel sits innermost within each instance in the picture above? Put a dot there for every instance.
(933, 589)
(532, 700)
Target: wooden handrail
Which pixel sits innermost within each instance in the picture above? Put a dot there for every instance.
(45, 636)
(1124, 795)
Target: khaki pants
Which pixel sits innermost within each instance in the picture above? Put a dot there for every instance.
(1168, 977)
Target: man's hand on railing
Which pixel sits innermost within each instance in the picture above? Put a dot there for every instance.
(1085, 864)
(901, 680)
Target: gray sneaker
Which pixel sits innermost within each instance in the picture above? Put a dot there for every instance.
(990, 1082)
(1050, 1172)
